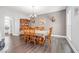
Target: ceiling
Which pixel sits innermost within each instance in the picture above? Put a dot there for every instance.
(38, 9)
(28, 10)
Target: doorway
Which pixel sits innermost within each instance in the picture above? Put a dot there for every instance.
(7, 25)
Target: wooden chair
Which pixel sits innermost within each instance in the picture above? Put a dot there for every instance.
(22, 32)
(40, 40)
(49, 37)
(27, 34)
(22, 35)
(32, 35)
(24, 25)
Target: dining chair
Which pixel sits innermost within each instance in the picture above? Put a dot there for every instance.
(40, 36)
(32, 35)
(41, 40)
(22, 32)
(26, 34)
(49, 37)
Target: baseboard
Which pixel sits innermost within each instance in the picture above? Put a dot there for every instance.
(71, 45)
(58, 36)
(69, 37)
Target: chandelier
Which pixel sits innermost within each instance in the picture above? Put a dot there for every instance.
(33, 16)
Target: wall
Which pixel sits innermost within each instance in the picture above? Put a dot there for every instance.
(59, 26)
(75, 28)
(74, 21)
(14, 15)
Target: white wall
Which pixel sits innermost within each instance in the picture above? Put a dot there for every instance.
(59, 26)
(75, 29)
(74, 17)
(15, 15)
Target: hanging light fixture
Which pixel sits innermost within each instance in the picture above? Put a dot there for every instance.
(33, 16)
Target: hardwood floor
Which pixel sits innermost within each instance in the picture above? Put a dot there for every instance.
(16, 45)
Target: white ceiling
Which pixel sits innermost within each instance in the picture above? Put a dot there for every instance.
(38, 9)
(41, 9)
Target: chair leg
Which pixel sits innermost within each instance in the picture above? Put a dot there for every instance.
(49, 43)
(34, 42)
